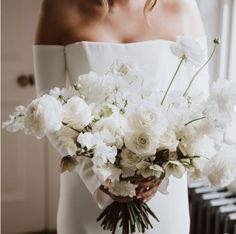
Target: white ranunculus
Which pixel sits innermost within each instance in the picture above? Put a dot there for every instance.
(89, 140)
(142, 143)
(148, 116)
(221, 169)
(16, 121)
(76, 113)
(190, 49)
(221, 102)
(43, 115)
(175, 168)
(168, 140)
(122, 188)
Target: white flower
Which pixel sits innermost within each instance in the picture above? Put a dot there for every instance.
(189, 49)
(104, 154)
(43, 115)
(89, 140)
(175, 168)
(142, 143)
(128, 162)
(147, 169)
(122, 188)
(148, 117)
(107, 171)
(16, 121)
(125, 66)
(199, 146)
(168, 140)
(76, 113)
(95, 88)
(115, 124)
(221, 170)
(221, 102)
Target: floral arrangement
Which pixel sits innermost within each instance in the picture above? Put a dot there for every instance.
(130, 132)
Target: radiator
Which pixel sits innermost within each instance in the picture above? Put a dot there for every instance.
(212, 211)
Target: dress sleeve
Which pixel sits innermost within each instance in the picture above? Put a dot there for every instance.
(50, 71)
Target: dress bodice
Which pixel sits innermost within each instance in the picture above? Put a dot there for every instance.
(52, 64)
(154, 57)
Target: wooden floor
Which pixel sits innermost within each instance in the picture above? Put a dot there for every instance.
(40, 232)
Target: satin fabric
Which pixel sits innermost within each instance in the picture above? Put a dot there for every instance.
(80, 199)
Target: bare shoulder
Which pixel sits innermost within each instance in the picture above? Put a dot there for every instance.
(54, 18)
(192, 18)
(186, 13)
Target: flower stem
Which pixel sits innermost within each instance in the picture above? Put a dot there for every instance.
(200, 69)
(172, 80)
(71, 127)
(203, 117)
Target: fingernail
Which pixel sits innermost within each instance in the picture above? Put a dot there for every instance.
(145, 200)
(138, 197)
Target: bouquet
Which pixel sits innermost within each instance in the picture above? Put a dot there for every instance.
(131, 132)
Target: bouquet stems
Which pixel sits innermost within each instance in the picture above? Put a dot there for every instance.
(129, 216)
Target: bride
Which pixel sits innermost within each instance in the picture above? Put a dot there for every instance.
(76, 36)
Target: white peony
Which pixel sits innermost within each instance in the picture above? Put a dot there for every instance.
(146, 117)
(221, 169)
(43, 115)
(142, 143)
(122, 188)
(168, 140)
(16, 121)
(189, 49)
(76, 113)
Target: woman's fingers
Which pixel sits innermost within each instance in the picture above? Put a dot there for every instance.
(147, 194)
(143, 186)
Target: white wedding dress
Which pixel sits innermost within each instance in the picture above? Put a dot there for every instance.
(80, 199)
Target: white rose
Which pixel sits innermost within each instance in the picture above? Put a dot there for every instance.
(142, 143)
(190, 49)
(148, 117)
(221, 169)
(43, 115)
(76, 113)
(168, 140)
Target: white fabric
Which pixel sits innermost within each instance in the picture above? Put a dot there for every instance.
(77, 211)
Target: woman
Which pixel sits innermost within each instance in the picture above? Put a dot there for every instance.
(76, 36)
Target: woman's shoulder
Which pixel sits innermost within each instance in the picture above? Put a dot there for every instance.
(54, 18)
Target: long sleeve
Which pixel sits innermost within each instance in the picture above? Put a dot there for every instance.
(50, 71)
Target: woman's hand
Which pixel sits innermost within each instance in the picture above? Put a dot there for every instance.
(146, 190)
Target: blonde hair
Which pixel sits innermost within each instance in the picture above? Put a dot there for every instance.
(149, 5)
